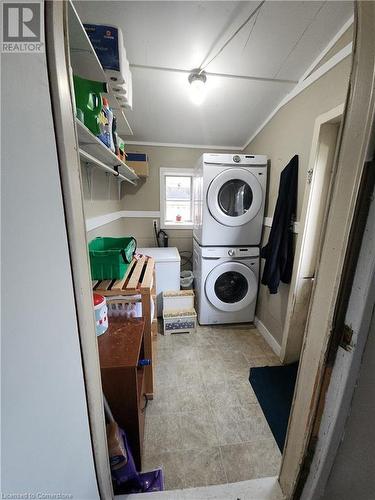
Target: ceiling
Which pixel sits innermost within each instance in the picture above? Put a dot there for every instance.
(284, 41)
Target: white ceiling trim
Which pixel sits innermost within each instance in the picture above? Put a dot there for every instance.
(329, 46)
(331, 63)
(192, 146)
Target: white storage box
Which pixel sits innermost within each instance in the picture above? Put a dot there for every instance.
(127, 306)
(179, 322)
(182, 300)
(167, 271)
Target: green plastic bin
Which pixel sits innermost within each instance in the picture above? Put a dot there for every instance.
(110, 257)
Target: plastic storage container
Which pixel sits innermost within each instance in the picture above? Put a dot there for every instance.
(186, 280)
(178, 301)
(180, 322)
(101, 314)
(110, 257)
(89, 102)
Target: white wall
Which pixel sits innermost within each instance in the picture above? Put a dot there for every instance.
(288, 133)
(46, 445)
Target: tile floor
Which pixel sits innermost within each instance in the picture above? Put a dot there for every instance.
(205, 426)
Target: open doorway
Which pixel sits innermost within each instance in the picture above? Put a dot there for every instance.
(312, 224)
(214, 358)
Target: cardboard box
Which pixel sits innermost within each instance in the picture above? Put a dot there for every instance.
(179, 322)
(138, 162)
(181, 300)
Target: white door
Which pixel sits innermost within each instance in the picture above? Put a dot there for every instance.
(234, 197)
(312, 223)
(231, 286)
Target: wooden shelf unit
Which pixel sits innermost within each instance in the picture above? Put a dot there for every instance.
(123, 381)
(139, 279)
(85, 63)
(97, 154)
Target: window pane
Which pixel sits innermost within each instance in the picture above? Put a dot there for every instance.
(177, 188)
(178, 211)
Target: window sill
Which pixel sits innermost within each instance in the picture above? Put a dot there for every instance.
(177, 225)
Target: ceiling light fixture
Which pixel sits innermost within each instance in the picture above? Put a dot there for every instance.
(197, 80)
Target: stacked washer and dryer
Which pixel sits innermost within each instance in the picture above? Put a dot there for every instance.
(229, 198)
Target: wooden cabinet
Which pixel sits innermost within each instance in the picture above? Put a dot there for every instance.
(123, 381)
(139, 280)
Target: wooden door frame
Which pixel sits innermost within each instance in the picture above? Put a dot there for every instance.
(353, 146)
(56, 29)
(357, 124)
(294, 326)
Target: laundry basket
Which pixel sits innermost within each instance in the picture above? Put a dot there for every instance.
(186, 280)
(110, 257)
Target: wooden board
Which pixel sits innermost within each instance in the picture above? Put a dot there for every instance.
(138, 277)
(119, 284)
(148, 276)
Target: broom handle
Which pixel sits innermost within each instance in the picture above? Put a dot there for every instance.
(107, 410)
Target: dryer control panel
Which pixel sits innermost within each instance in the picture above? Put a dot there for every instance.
(234, 252)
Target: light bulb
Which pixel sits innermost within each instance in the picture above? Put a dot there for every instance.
(197, 82)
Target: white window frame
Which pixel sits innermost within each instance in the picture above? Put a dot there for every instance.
(175, 172)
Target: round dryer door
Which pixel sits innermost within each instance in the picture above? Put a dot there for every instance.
(234, 197)
(231, 286)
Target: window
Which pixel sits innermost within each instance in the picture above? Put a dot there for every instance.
(176, 198)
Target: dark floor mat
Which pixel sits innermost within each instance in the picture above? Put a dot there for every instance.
(274, 388)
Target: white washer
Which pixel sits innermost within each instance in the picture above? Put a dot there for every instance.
(226, 283)
(229, 196)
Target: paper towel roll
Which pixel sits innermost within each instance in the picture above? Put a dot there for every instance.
(108, 43)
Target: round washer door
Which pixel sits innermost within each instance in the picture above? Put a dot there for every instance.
(234, 197)
(231, 286)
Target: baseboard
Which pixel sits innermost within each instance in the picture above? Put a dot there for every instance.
(271, 341)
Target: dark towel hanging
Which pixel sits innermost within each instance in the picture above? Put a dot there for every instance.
(279, 250)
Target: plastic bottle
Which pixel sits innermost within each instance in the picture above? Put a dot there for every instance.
(106, 124)
(114, 135)
(89, 103)
(144, 362)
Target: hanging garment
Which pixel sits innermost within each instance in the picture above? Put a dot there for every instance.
(279, 250)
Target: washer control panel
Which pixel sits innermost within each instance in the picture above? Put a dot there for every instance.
(240, 252)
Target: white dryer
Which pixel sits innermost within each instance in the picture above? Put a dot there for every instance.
(229, 197)
(226, 283)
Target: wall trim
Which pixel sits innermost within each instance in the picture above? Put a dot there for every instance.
(329, 46)
(189, 146)
(268, 337)
(300, 87)
(141, 214)
(102, 220)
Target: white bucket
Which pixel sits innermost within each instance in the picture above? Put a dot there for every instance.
(186, 280)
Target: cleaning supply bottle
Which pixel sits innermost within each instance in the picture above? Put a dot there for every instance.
(105, 124)
(88, 101)
(114, 135)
